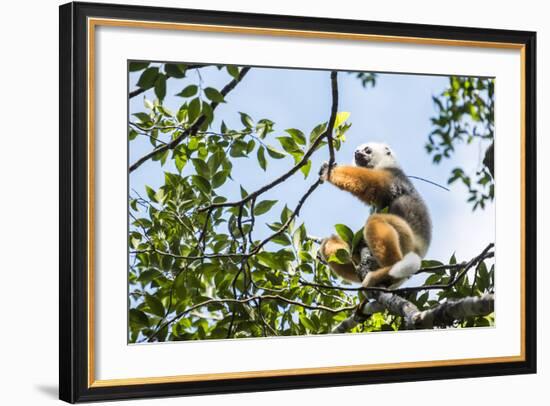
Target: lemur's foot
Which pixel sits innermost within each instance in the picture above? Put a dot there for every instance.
(368, 281)
(324, 171)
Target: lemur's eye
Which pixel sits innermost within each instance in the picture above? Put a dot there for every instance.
(388, 152)
(368, 150)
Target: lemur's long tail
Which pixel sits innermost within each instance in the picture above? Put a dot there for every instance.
(407, 266)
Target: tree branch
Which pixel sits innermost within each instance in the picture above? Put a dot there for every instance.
(327, 134)
(443, 314)
(465, 267)
(246, 300)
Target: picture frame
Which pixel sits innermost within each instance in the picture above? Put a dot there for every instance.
(79, 23)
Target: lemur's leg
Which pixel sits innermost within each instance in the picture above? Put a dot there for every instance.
(391, 241)
(369, 185)
(329, 246)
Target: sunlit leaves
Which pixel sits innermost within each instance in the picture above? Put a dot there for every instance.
(297, 136)
(342, 256)
(341, 117)
(186, 259)
(246, 120)
(274, 152)
(345, 233)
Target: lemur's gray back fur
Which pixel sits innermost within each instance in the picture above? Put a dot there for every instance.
(404, 201)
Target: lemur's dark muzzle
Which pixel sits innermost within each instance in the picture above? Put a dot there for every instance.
(361, 159)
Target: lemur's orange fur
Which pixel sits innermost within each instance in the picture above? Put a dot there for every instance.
(369, 185)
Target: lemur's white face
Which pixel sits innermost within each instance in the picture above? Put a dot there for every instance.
(375, 155)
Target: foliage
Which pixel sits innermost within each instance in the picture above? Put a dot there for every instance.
(466, 114)
(197, 268)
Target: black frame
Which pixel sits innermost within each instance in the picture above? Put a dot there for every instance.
(73, 289)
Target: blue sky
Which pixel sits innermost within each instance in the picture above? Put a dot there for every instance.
(396, 111)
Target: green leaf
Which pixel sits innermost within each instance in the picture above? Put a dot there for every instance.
(275, 153)
(219, 179)
(432, 279)
(233, 71)
(289, 145)
(281, 239)
(263, 207)
(137, 66)
(452, 260)
(189, 91)
(342, 256)
(238, 149)
(317, 131)
(148, 275)
(261, 157)
(180, 286)
(138, 318)
(202, 184)
(214, 95)
(194, 110)
(201, 167)
(340, 118)
(175, 70)
(143, 117)
(208, 114)
(357, 238)
(306, 168)
(148, 78)
(215, 160)
(155, 305)
(180, 161)
(160, 87)
(269, 260)
(422, 299)
(246, 120)
(430, 262)
(307, 323)
(150, 193)
(345, 233)
(148, 104)
(297, 135)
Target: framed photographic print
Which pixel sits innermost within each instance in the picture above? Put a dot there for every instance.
(256, 202)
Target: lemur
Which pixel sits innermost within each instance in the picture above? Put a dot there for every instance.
(399, 238)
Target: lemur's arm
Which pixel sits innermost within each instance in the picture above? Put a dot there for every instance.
(369, 185)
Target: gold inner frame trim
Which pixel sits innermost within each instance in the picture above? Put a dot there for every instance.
(94, 22)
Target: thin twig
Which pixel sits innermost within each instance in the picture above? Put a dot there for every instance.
(252, 298)
(327, 134)
(465, 267)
